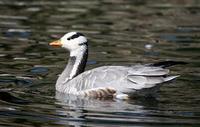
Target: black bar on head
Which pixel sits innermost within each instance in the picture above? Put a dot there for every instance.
(75, 36)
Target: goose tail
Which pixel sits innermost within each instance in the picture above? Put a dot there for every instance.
(169, 78)
(165, 64)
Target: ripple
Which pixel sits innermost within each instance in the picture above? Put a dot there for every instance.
(17, 32)
(20, 58)
(6, 79)
(7, 97)
(39, 70)
(119, 33)
(13, 17)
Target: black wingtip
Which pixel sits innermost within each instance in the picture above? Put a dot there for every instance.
(165, 64)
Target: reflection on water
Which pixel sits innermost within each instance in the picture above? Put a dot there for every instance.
(117, 112)
(120, 33)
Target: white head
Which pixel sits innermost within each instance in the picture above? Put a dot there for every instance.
(71, 41)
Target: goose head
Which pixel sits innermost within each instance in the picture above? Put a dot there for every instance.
(71, 41)
(76, 44)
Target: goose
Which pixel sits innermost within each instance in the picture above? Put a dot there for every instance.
(121, 82)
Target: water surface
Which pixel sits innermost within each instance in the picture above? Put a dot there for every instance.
(120, 33)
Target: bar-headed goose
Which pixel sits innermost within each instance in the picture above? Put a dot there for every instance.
(106, 81)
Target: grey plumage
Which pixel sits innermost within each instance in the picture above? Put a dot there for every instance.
(118, 81)
(122, 79)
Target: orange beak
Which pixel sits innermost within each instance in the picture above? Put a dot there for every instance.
(56, 43)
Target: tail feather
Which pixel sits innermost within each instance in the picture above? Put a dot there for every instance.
(165, 64)
(168, 78)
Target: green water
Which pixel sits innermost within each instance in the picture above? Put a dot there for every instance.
(120, 32)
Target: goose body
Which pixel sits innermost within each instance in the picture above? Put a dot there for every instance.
(106, 81)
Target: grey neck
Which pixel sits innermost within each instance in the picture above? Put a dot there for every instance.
(76, 65)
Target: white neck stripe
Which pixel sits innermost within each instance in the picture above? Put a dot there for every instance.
(78, 54)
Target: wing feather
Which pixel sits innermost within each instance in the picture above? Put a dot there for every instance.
(120, 78)
(148, 71)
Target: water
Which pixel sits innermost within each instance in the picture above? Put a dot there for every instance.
(120, 33)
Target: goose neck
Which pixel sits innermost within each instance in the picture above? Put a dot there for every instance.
(77, 61)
